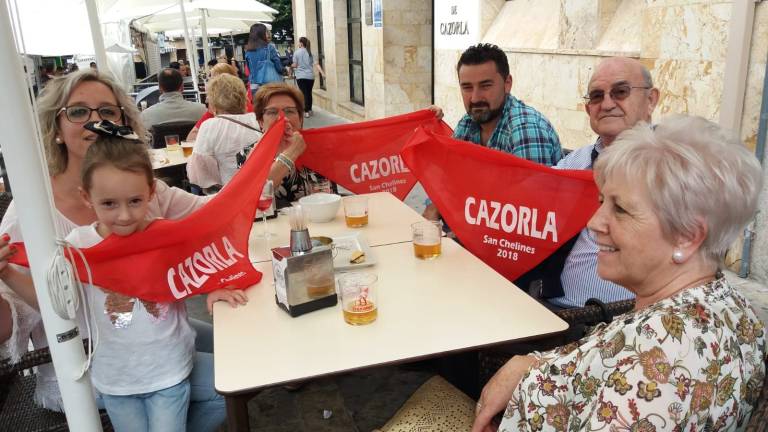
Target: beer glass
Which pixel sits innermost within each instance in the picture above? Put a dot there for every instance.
(358, 297)
(172, 143)
(427, 239)
(187, 147)
(356, 211)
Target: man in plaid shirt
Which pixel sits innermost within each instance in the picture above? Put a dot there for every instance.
(496, 119)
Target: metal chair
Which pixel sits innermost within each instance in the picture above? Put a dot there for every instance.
(161, 130)
(18, 411)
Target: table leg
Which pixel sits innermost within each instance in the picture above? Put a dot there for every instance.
(237, 413)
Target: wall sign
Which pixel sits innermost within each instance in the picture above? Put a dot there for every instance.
(457, 23)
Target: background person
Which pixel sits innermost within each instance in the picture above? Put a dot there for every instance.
(171, 106)
(220, 68)
(263, 61)
(230, 131)
(64, 106)
(304, 69)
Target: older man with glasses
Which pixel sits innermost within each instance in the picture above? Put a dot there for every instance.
(620, 94)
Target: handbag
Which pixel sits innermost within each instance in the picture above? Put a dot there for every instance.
(265, 70)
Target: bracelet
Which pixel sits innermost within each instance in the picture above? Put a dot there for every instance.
(285, 160)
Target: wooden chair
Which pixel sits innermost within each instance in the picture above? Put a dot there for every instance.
(18, 411)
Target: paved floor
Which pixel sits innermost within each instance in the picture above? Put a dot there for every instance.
(364, 400)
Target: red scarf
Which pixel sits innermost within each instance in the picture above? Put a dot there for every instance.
(205, 251)
(509, 212)
(365, 157)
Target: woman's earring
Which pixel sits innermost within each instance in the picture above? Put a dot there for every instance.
(678, 257)
(58, 140)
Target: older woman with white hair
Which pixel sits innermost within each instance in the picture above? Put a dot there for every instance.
(691, 355)
(692, 352)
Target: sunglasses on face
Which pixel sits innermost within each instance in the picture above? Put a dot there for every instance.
(81, 113)
(288, 111)
(617, 93)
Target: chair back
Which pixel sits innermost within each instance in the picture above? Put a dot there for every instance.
(5, 201)
(759, 419)
(149, 94)
(18, 411)
(160, 131)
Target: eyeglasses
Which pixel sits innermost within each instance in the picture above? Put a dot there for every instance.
(288, 111)
(618, 93)
(81, 113)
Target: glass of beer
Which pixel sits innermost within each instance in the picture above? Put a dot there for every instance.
(358, 297)
(427, 239)
(187, 147)
(356, 211)
(172, 143)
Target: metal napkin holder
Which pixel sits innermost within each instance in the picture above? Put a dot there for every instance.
(304, 281)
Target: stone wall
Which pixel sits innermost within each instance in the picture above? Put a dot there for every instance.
(396, 57)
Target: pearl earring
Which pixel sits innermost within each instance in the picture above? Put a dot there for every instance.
(678, 257)
(58, 140)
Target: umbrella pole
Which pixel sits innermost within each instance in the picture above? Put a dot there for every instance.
(206, 52)
(32, 194)
(191, 46)
(96, 35)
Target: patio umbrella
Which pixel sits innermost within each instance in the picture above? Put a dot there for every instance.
(223, 15)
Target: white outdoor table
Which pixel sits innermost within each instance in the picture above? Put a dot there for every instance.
(389, 221)
(164, 159)
(426, 308)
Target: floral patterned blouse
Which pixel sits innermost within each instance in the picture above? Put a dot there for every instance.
(691, 362)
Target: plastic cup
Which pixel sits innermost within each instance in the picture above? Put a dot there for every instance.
(356, 211)
(427, 239)
(358, 298)
(172, 143)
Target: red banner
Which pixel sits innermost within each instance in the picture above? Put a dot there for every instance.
(205, 251)
(365, 157)
(509, 212)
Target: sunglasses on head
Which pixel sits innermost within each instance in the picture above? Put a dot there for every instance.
(617, 93)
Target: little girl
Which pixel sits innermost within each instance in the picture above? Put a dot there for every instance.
(146, 351)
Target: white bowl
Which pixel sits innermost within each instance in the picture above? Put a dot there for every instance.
(322, 207)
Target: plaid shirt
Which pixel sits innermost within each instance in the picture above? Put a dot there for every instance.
(521, 131)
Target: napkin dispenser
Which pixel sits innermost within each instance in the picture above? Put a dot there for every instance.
(304, 281)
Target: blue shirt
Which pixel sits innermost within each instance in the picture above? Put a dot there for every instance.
(579, 277)
(521, 131)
